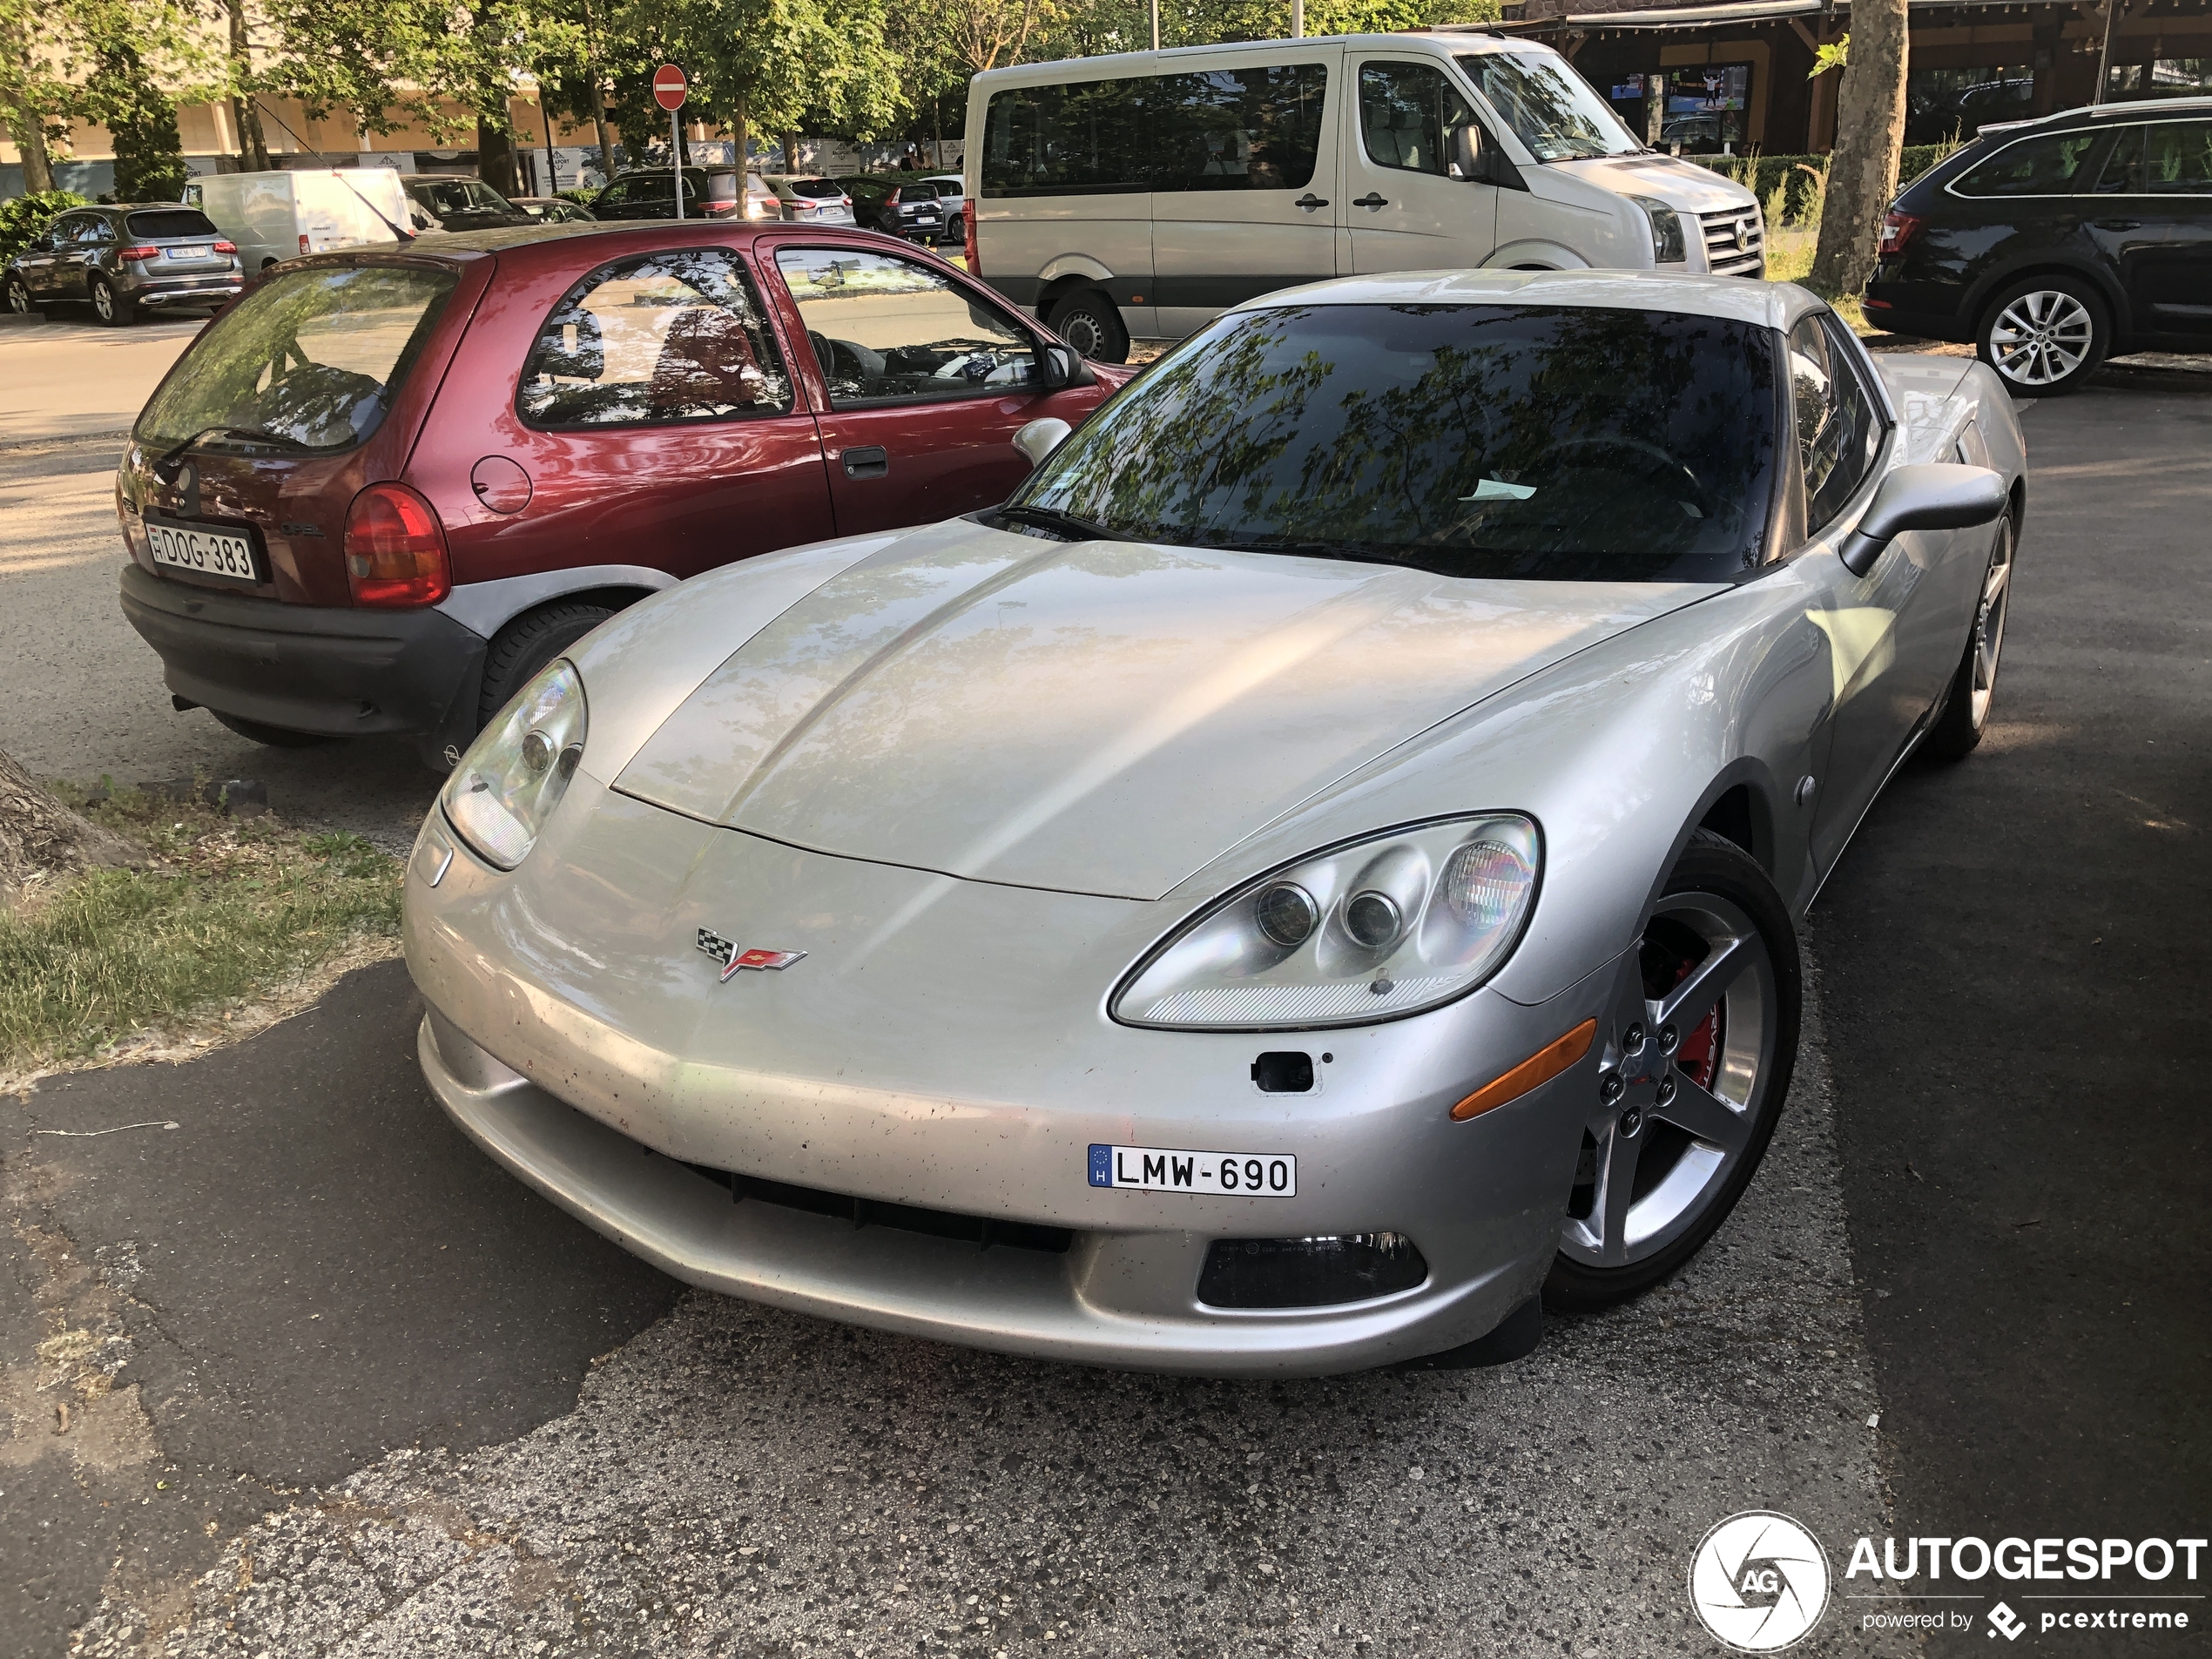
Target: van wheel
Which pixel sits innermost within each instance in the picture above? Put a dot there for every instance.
(1088, 321)
(525, 645)
(110, 307)
(271, 737)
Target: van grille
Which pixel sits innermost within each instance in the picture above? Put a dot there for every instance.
(869, 1213)
(1723, 256)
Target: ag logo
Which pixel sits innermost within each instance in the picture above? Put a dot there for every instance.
(1759, 1581)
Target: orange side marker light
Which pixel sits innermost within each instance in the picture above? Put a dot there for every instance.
(1539, 1068)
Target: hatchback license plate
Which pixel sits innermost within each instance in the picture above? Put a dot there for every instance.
(1162, 1169)
(227, 554)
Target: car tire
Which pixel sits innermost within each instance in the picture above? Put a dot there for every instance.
(271, 737)
(112, 308)
(19, 297)
(2045, 336)
(525, 645)
(1964, 716)
(1667, 1153)
(1088, 321)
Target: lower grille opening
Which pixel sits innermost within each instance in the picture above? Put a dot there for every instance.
(1324, 1271)
(984, 1232)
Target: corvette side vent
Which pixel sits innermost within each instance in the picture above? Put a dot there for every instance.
(982, 1231)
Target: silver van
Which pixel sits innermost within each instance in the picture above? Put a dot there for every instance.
(1143, 194)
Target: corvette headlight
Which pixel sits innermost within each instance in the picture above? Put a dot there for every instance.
(1381, 927)
(516, 773)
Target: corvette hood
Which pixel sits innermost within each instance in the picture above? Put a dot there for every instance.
(1099, 717)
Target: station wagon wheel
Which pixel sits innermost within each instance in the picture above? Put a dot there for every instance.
(1702, 1040)
(2045, 336)
(1974, 688)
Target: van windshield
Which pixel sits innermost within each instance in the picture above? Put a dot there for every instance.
(313, 358)
(1544, 443)
(1551, 109)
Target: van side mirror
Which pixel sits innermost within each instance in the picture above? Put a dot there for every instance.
(1040, 437)
(1933, 496)
(1468, 159)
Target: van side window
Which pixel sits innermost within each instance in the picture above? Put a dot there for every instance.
(667, 337)
(1256, 128)
(1839, 428)
(886, 330)
(1406, 114)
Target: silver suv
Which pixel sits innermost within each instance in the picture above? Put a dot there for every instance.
(149, 255)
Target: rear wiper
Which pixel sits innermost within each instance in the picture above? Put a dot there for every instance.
(167, 467)
(1047, 518)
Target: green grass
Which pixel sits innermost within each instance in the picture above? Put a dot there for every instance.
(225, 911)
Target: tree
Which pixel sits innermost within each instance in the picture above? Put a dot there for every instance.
(149, 152)
(1870, 141)
(59, 58)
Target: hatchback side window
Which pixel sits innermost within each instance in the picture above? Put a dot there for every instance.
(1406, 114)
(666, 337)
(2049, 165)
(886, 330)
(2165, 159)
(1839, 430)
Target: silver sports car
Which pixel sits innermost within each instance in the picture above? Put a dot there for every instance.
(1316, 870)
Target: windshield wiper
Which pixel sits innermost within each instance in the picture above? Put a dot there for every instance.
(1067, 524)
(167, 465)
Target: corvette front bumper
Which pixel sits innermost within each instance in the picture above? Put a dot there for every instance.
(946, 1047)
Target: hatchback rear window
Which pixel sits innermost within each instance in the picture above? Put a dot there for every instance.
(168, 224)
(815, 189)
(311, 361)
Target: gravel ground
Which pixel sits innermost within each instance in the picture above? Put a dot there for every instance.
(741, 1482)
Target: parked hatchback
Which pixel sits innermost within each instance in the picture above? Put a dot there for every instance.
(897, 204)
(386, 487)
(2053, 244)
(150, 255)
(804, 199)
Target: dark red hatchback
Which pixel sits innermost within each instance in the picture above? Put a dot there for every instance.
(386, 487)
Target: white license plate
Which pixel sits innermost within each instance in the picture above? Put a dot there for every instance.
(1163, 1169)
(203, 550)
(188, 252)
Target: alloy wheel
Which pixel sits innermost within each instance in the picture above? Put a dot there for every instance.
(104, 301)
(1694, 1033)
(1989, 622)
(18, 296)
(2041, 337)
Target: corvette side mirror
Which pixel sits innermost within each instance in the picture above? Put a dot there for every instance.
(1040, 437)
(1933, 496)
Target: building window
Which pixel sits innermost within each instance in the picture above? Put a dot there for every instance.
(2165, 78)
(1951, 105)
(1706, 108)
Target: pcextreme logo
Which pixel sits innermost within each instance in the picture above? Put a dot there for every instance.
(1759, 1581)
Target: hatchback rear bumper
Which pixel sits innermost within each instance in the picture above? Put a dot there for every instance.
(339, 671)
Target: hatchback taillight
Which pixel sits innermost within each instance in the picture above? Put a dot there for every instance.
(225, 247)
(395, 548)
(1897, 229)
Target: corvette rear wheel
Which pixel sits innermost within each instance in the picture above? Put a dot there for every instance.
(1703, 1038)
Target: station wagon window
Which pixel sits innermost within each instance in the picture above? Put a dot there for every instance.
(1839, 426)
(2164, 158)
(1406, 114)
(886, 330)
(2048, 165)
(656, 339)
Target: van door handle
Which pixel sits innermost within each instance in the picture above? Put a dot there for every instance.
(873, 462)
(2120, 224)
(1372, 200)
(1310, 201)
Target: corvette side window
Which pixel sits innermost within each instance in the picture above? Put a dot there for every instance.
(675, 336)
(1839, 430)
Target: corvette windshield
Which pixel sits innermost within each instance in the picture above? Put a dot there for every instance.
(1533, 442)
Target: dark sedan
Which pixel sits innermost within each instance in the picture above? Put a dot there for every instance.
(2053, 244)
(901, 206)
(154, 255)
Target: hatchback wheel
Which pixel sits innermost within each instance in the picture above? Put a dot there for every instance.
(18, 296)
(526, 645)
(2046, 335)
(110, 307)
(1703, 1037)
(1965, 708)
(1088, 321)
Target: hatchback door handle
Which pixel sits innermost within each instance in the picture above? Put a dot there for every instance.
(1371, 200)
(1310, 201)
(872, 462)
(2120, 224)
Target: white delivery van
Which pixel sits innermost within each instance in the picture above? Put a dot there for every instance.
(1143, 194)
(274, 216)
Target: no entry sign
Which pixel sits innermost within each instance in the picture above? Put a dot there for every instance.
(669, 86)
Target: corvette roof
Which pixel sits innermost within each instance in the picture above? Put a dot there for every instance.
(1777, 304)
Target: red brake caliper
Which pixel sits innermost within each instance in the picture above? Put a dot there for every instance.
(1699, 1053)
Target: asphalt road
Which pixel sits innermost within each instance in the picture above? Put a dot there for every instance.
(354, 1407)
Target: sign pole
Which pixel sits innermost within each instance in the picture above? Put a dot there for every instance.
(669, 88)
(676, 155)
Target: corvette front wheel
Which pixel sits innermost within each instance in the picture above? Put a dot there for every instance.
(1703, 1037)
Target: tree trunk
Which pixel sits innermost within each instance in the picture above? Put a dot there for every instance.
(30, 134)
(40, 838)
(495, 159)
(738, 130)
(791, 152)
(1869, 137)
(252, 144)
(606, 145)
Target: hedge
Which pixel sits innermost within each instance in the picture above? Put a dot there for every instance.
(1763, 173)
